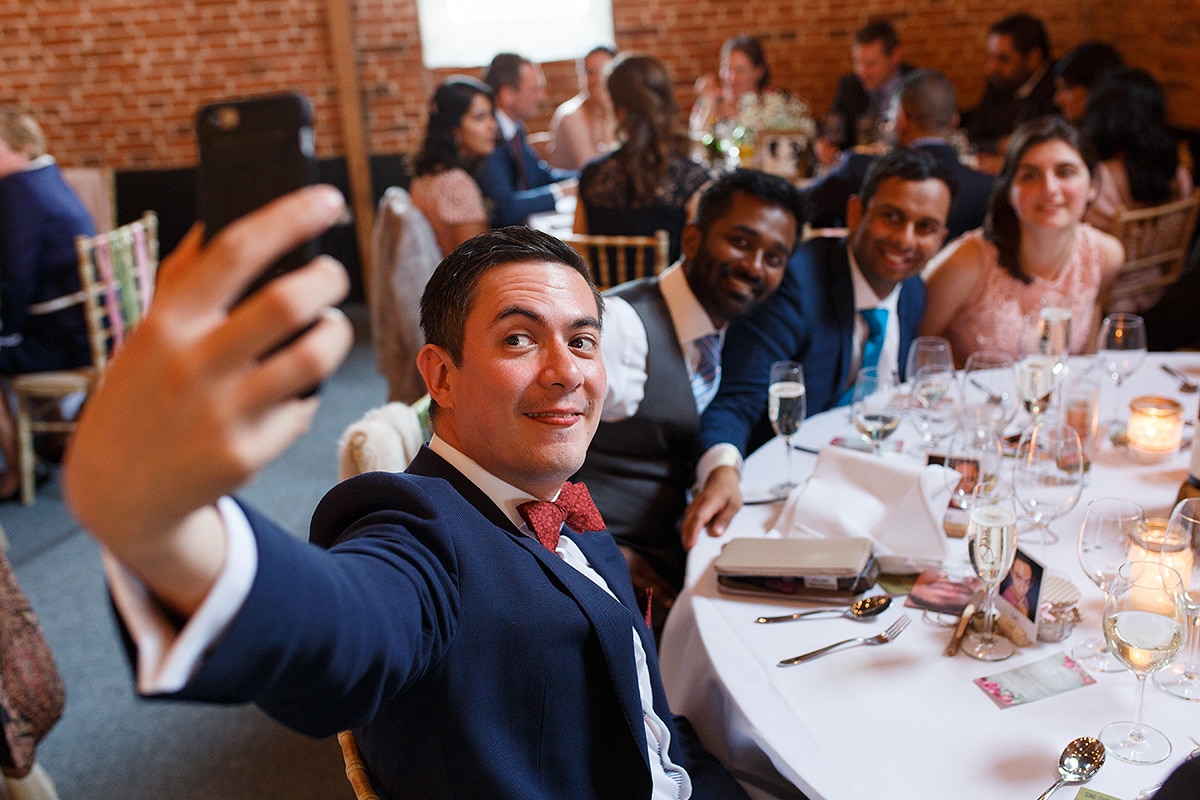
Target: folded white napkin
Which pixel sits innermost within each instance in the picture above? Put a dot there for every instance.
(894, 501)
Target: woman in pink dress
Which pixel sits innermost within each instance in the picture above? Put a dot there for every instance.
(461, 132)
(1033, 251)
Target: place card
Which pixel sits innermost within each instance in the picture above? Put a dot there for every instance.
(1046, 677)
(1085, 793)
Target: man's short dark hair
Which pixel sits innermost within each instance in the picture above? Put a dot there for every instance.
(1026, 31)
(451, 291)
(505, 70)
(928, 100)
(907, 164)
(717, 198)
(878, 30)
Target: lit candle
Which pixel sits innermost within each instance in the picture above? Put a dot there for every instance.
(1165, 547)
(1155, 428)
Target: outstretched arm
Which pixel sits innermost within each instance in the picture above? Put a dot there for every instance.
(199, 400)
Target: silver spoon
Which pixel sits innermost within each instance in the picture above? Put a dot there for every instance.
(1080, 760)
(861, 608)
(1186, 384)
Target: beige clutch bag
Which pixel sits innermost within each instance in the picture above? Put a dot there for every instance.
(808, 568)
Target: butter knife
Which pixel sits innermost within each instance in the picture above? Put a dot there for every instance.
(963, 621)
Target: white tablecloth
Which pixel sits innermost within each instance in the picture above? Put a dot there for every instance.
(863, 723)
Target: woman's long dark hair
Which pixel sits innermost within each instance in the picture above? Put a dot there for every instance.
(1126, 117)
(643, 97)
(439, 151)
(1001, 226)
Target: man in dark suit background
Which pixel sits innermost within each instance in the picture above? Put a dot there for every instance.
(863, 96)
(513, 179)
(822, 315)
(475, 650)
(927, 116)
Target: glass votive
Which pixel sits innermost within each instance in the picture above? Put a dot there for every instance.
(1156, 543)
(1155, 428)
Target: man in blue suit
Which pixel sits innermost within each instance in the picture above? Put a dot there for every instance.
(515, 182)
(927, 116)
(837, 298)
(477, 645)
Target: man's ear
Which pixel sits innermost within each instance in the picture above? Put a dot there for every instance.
(690, 240)
(437, 368)
(854, 212)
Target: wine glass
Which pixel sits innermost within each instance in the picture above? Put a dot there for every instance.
(1035, 383)
(1183, 679)
(989, 389)
(785, 409)
(1120, 350)
(1048, 475)
(934, 403)
(992, 545)
(927, 351)
(976, 455)
(1109, 526)
(1045, 345)
(877, 406)
(1144, 618)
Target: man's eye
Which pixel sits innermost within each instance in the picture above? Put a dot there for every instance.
(585, 343)
(517, 340)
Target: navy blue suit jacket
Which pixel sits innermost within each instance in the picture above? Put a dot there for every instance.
(825, 201)
(809, 319)
(498, 178)
(471, 661)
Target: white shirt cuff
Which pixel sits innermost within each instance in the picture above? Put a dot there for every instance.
(719, 455)
(625, 349)
(166, 657)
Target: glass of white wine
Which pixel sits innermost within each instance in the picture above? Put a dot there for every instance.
(1145, 618)
(1182, 679)
(1035, 383)
(992, 545)
(785, 409)
(877, 407)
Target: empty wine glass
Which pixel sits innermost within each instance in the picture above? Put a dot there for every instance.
(1144, 618)
(785, 409)
(877, 407)
(989, 390)
(934, 404)
(976, 455)
(927, 351)
(1048, 474)
(1183, 679)
(1120, 350)
(992, 545)
(1109, 526)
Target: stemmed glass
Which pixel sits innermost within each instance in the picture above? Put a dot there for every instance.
(1109, 526)
(976, 455)
(1035, 383)
(989, 390)
(927, 351)
(1045, 345)
(1048, 475)
(785, 409)
(992, 545)
(1120, 350)
(1144, 618)
(1183, 679)
(934, 403)
(877, 406)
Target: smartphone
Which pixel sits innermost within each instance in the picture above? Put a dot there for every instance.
(253, 150)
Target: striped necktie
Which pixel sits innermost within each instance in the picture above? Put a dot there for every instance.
(707, 377)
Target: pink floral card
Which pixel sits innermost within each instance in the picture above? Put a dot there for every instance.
(1046, 677)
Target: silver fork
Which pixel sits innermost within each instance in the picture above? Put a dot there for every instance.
(893, 630)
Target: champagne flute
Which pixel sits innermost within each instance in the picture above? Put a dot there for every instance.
(934, 403)
(989, 391)
(877, 407)
(1109, 526)
(1144, 618)
(1120, 350)
(785, 409)
(1045, 345)
(1183, 679)
(1048, 475)
(992, 545)
(1035, 384)
(927, 351)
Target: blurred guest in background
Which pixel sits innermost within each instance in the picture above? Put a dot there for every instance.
(42, 325)
(645, 183)
(1077, 72)
(864, 96)
(1034, 249)
(743, 71)
(461, 133)
(584, 127)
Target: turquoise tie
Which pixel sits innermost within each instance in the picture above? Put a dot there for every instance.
(876, 319)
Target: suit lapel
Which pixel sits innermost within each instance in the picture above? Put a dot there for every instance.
(841, 291)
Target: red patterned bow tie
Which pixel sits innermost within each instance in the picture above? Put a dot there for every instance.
(574, 506)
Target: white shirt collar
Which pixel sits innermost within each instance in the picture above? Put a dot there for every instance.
(506, 496)
(44, 160)
(1034, 79)
(690, 319)
(508, 126)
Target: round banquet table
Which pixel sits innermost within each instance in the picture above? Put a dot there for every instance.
(865, 722)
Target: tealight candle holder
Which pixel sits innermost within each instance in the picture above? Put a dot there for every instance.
(1156, 543)
(1155, 428)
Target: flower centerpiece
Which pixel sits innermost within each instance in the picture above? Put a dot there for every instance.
(776, 133)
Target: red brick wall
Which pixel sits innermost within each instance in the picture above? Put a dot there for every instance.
(116, 82)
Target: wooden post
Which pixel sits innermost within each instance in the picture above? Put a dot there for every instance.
(358, 167)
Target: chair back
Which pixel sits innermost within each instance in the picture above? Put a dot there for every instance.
(617, 259)
(95, 187)
(116, 272)
(1156, 241)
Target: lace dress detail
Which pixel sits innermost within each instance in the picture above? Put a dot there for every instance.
(446, 199)
(992, 318)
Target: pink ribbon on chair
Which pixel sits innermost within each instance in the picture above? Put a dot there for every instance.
(140, 257)
(108, 280)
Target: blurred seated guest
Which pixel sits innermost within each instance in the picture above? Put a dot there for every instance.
(584, 127)
(513, 178)
(42, 325)
(927, 115)
(644, 184)
(461, 133)
(1034, 249)
(743, 71)
(1077, 72)
(864, 96)
(1020, 82)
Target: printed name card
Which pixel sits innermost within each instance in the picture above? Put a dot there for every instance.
(1046, 677)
